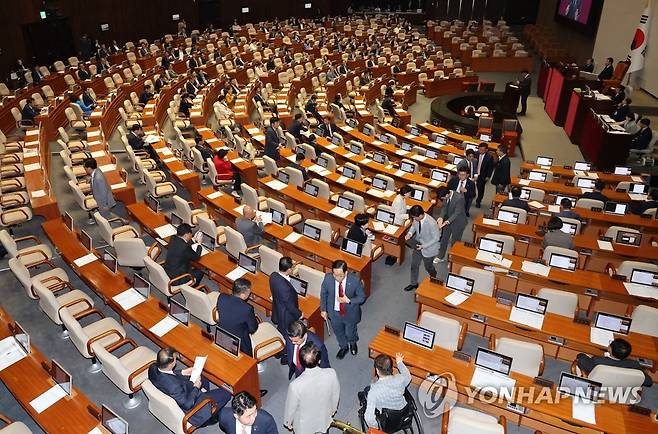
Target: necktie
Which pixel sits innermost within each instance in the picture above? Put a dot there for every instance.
(298, 363)
(461, 186)
(341, 293)
(420, 226)
(480, 159)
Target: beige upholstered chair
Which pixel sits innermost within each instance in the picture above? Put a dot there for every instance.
(54, 279)
(507, 240)
(202, 304)
(485, 280)
(645, 320)
(186, 213)
(235, 243)
(266, 341)
(130, 252)
(16, 427)
(269, 260)
(109, 234)
(160, 189)
(326, 232)
(459, 420)
(527, 357)
(313, 277)
(626, 268)
(449, 333)
(51, 303)
(292, 217)
(612, 378)
(207, 226)
(559, 302)
(250, 197)
(161, 280)
(31, 255)
(523, 214)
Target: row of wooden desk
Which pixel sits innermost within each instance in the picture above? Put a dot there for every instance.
(567, 173)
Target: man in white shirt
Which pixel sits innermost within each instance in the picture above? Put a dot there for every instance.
(399, 205)
(245, 418)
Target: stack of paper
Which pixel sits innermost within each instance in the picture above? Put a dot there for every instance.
(150, 139)
(10, 352)
(182, 172)
(456, 298)
(434, 183)
(342, 179)
(340, 212)
(450, 167)
(638, 197)
(400, 173)
(554, 208)
(236, 273)
(644, 291)
(375, 192)
(118, 186)
(169, 160)
(378, 226)
(490, 222)
(275, 184)
(524, 181)
(349, 154)
(214, 195)
(292, 238)
(536, 204)
(165, 231)
(165, 151)
(98, 154)
(239, 209)
(47, 398)
(583, 410)
(419, 157)
(129, 298)
(38, 193)
(525, 317)
(164, 326)
(492, 380)
(265, 217)
(199, 363)
(493, 258)
(84, 260)
(331, 146)
(600, 336)
(31, 167)
(107, 167)
(237, 160)
(391, 229)
(535, 268)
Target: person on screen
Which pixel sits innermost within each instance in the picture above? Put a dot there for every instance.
(573, 10)
(618, 354)
(554, 235)
(566, 209)
(387, 391)
(608, 70)
(243, 416)
(597, 193)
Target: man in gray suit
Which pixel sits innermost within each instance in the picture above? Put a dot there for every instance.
(250, 226)
(313, 396)
(341, 297)
(99, 188)
(452, 220)
(425, 243)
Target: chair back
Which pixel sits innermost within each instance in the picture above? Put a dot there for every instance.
(235, 242)
(395, 420)
(526, 356)
(164, 408)
(183, 209)
(507, 240)
(207, 226)
(8, 243)
(269, 259)
(325, 229)
(559, 302)
(359, 203)
(47, 301)
(485, 280)
(447, 330)
(157, 276)
(273, 204)
(324, 192)
(613, 378)
(77, 334)
(645, 320)
(131, 252)
(296, 176)
(589, 203)
(22, 274)
(627, 267)
(466, 421)
(612, 231)
(549, 250)
(112, 367)
(199, 303)
(104, 228)
(271, 168)
(523, 214)
(249, 196)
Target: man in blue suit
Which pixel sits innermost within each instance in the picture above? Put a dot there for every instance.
(285, 307)
(176, 384)
(244, 417)
(341, 296)
(298, 335)
(236, 315)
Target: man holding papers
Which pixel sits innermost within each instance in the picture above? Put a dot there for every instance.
(250, 226)
(425, 243)
(176, 383)
(617, 355)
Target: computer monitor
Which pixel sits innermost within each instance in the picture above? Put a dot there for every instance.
(544, 161)
(457, 159)
(86, 240)
(471, 146)
(414, 131)
(439, 139)
(379, 157)
(582, 166)
(417, 194)
(569, 228)
(460, 283)
(439, 175)
(112, 422)
(385, 216)
(355, 149)
(247, 262)
(485, 137)
(152, 203)
(208, 241)
(525, 194)
(301, 286)
(585, 182)
(176, 220)
(345, 203)
(493, 361)
(61, 377)
(352, 247)
(432, 154)
(564, 262)
(491, 245)
(508, 216)
(558, 200)
(579, 387)
(312, 232)
(418, 335)
(227, 341)
(322, 161)
(367, 131)
(110, 261)
(405, 146)
(278, 217)
(246, 155)
(629, 238)
(21, 337)
(638, 188)
(383, 138)
(349, 172)
(335, 140)
(615, 208)
(141, 285)
(179, 312)
(537, 176)
(408, 167)
(531, 303)
(644, 277)
(613, 323)
(283, 177)
(311, 189)
(68, 221)
(622, 170)
(300, 150)
(379, 183)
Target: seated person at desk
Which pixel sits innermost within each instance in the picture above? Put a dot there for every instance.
(619, 95)
(243, 416)
(88, 99)
(136, 141)
(387, 391)
(389, 105)
(272, 140)
(147, 95)
(618, 352)
(29, 112)
(470, 112)
(566, 211)
(225, 169)
(359, 231)
(299, 159)
(176, 384)
(83, 74)
(597, 193)
(180, 255)
(630, 123)
(650, 203)
(516, 200)
(328, 127)
(84, 107)
(161, 81)
(588, 66)
(311, 141)
(399, 205)
(607, 71)
(250, 226)
(185, 105)
(622, 110)
(642, 138)
(311, 107)
(297, 126)
(554, 235)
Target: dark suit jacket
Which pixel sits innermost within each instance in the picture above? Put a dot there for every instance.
(296, 129)
(641, 139)
(300, 168)
(356, 233)
(470, 187)
(388, 105)
(180, 256)
(36, 78)
(83, 74)
(621, 112)
(353, 290)
(328, 131)
(285, 306)
(587, 363)
(88, 100)
(595, 195)
(501, 175)
(290, 348)
(587, 68)
(486, 168)
(144, 97)
(135, 142)
(517, 203)
(641, 207)
(524, 85)
(272, 144)
(190, 88)
(181, 389)
(29, 113)
(237, 316)
(607, 72)
(264, 423)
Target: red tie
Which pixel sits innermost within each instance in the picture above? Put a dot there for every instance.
(341, 293)
(298, 363)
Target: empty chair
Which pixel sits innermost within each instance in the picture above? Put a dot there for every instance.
(208, 227)
(527, 357)
(250, 197)
(575, 222)
(645, 320)
(626, 268)
(202, 304)
(449, 333)
(612, 231)
(324, 192)
(186, 213)
(313, 277)
(15, 427)
(34, 254)
(589, 203)
(159, 278)
(266, 341)
(296, 176)
(549, 250)
(269, 260)
(559, 302)
(235, 243)
(459, 420)
(54, 279)
(359, 203)
(160, 189)
(484, 280)
(86, 202)
(507, 240)
(109, 234)
(52, 302)
(130, 252)
(523, 214)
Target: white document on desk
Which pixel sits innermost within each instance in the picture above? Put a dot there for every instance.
(275, 184)
(239, 209)
(236, 273)
(31, 167)
(375, 192)
(98, 154)
(118, 186)
(340, 212)
(637, 197)
(169, 160)
(265, 217)
(492, 380)
(418, 157)
(644, 291)
(600, 336)
(583, 410)
(199, 363)
(47, 398)
(378, 226)
(10, 352)
(315, 168)
(164, 326)
(38, 193)
(349, 154)
(401, 152)
(524, 181)
(535, 268)
(214, 195)
(366, 161)
(391, 229)
(129, 298)
(605, 245)
(493, 258)
(97, 430)
(108, 167)
(331, 146)
(400, 173)
(342, 179)
(536, 204)
(165, 231)
(456, 298)
(554, 208)
(434, 183)
(165, 151)
(292, 238)
(84, 260)
(450, 167)
(525, 317)
(182, 172)
(637, 179)
(237, 160)
(490, 222)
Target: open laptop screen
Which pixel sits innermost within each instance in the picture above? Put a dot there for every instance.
(585, 183)
(508, 216)
(311, 189)
(301, 286)
(408, 167)
(613, 323)
(378, 157)
(110, 261)
(379, 183)
(576, 386)
(352, 247)
(86, 240)
(312, 232)
(615, 208)
(494, 361)
(629, 238)
(278, 217)
(349, 172)
(439, 175)
(531, 303)
(247, 262)
(544, 161)
(582, 166)
(21, 337)
(460, 283)
(491, 245)
(112, 422)
(418, 335)
(141, 285)
(345, 202)
(152, 203)
(564, 262)
(622, 170)
(537, 176)
(227, 342)
(179, 312)
(385, 216)
(644, 277)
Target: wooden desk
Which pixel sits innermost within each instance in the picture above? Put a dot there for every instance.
(601, 146)
(27, 379)
(36, 150)
(549, 417)
(248, 170)
(452, 136)
(437, 86)
(567, 173)
(221, 368)
(579, 107)
(573, 191)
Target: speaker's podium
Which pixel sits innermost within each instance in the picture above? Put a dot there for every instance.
(604, 143)
(511, 98)
(562, 79)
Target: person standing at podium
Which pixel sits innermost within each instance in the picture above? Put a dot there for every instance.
(608, 70)
(524, 83)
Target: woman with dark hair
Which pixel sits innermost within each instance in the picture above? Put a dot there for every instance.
(225, 170)
(554, 235)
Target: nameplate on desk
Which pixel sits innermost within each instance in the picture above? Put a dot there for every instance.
(10, 352)
(37, 194)
(107, 167)
(182, 172)
(165, 151)
(129, 298)
(238, 160)
(31, 167)
(164, 326)
(605, 245)
(118, 186)
(98, 154)
(214, 195)
(275, 184)
(490, 222)
(340, 212)
(236, 273)
(84, 260)
(292, 238)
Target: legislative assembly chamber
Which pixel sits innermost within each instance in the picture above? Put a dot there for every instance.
(436, 216)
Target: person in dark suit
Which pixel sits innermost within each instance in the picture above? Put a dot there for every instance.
(642, 138)
(285, 306)
(620, 95)
(501, 176)
(396, 68)
(29, 112)
(451, 221)
(388, 105)
(341, 297)
(244, 416)
(642, 207)
(588, 66)
(359, 230)
(36, 75)
(297, 126)
(236, 315)
(161, 81)
(297, 335)
(619, 351)
(311, 107)
(483, 167)
(622, 110)
(190, 88)
(272, 140)
(566, 211)
(180, 254)
(524, 83)
(270, 65)
(597, 193)
(468, 163)
(516, 200)
(87, 98)
(608, 70)
(136, 141)
(238, 62)
(463, 184)
(176, 384)
(328, 127)
(299, 159)
(83, 74)
(146, 95)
